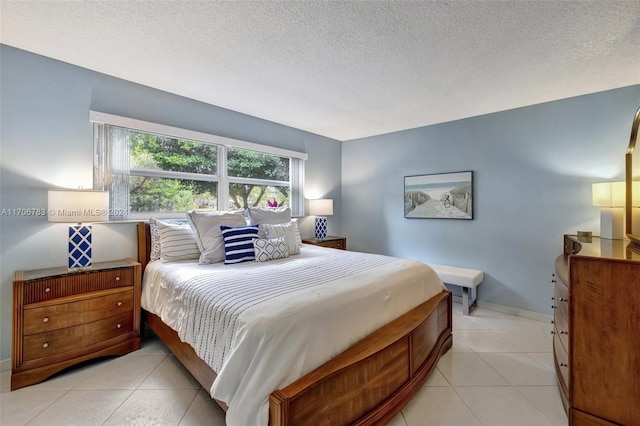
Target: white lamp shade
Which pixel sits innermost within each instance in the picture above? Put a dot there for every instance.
(78, 206)
(609, 194)
(321, 207)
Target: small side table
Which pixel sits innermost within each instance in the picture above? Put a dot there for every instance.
(330, 241)
(62, 318)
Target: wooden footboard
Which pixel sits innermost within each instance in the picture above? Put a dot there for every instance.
(370, 382)
(367, 384)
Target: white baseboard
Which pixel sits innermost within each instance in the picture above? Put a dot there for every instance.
(514, 311)
(5, 364)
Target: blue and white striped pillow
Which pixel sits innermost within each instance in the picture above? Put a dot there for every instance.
(238, 243)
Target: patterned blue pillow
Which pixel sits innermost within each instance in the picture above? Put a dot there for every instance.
(238, 243)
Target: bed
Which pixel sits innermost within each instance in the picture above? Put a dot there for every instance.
(365, 383)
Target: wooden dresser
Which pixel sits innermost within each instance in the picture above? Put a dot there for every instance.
(596, 338)
(61, 318)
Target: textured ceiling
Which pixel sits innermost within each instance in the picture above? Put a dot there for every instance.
(344, 69)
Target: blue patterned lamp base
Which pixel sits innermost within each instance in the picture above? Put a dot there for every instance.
(79, 246)
(321, 228)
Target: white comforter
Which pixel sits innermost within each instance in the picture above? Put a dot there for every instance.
(261, 326)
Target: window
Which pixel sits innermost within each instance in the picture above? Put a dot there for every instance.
(151, 169)
(255, 178)
(171, 175)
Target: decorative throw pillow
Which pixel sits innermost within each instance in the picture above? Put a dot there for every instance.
(286, 230)
(206, 227)
(177, 242)
(238, 243)
(155, 235)
(298, 237)
(266, 250)
(268, 215)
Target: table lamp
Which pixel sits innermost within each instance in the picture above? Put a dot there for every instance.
(610, 197)
(321, 208)
(81, 207)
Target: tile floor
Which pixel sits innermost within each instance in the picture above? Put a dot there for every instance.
(499, 372)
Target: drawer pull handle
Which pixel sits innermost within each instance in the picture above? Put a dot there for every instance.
(119, 326)
(554, 281)
(564, 332)
(45, 319)
(553, 298)
(563, 299)
(117, 278)
(46, 345)
(553, 332)
(553, 322)
(553, 306)
(562, 364)
(119, 303)
(47, 290)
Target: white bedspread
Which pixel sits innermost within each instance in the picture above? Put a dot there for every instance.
(261, 326)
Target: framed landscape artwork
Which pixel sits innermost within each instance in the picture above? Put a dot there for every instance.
(439, 196)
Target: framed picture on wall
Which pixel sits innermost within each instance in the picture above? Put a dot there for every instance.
(439, 196)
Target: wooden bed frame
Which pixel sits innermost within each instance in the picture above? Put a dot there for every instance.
(368, 384)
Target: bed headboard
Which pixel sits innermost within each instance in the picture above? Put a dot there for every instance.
(144, 244)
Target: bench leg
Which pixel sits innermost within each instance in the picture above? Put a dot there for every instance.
(467, 301)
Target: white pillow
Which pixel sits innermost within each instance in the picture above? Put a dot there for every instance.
(268, 215)
(266, 249)
(286, 230)
(206, 227)
(177, 242)
(298, 237)
(155, 235)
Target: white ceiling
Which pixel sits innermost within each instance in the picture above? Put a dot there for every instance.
(344, 69)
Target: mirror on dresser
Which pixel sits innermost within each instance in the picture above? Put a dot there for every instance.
(632, 178)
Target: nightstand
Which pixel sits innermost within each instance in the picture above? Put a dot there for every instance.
(332, 242)
(61, 318)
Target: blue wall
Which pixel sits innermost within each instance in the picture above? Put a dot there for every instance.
(47, 142)
(533, 168)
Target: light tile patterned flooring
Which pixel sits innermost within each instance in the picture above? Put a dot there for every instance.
(499, 372)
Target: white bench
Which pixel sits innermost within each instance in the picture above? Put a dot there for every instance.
(468, 279)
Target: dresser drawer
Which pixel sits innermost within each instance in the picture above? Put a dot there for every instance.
(57, 342)
(96, 306)
(561, 316)
(561, 296)
(337, 244)
(330, 242)
(562, 360)
(562, 328)
(51, 288)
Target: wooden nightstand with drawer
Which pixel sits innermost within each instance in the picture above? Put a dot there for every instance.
(331, 242)
(61, 318)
